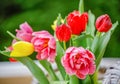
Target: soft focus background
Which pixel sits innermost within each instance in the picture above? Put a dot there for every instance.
(40, 14)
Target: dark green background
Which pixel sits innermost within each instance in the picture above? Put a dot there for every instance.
(40, 14)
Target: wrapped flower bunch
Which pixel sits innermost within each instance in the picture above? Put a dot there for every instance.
(77, 47)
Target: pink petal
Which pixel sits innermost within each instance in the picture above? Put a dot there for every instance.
(26, 27)
(52, 43)
(38, 56)
(83, 69)
(91, 55)
(70, 49)
(80, 76)
(92, 68)
(44, 53)
(52, 54)
(67, 66)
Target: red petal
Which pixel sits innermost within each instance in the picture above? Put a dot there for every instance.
(12, 60)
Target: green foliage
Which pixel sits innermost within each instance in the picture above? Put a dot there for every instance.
(60, 53)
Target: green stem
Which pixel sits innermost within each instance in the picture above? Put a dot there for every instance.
(35, 70)
(81, 6)
(96, 40)
(13, 36)
(66, 77)
(60, 53)
(94, 78)
(64, 44)
(50, 70)
(74, 80)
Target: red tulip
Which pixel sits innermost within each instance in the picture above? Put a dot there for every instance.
(63, 32)
(77, 22)
(103, 23)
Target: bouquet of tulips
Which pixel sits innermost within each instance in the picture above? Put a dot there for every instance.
(77, 47)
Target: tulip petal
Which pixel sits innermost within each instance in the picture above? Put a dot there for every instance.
(21, 49)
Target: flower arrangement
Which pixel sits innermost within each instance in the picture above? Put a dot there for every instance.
(77, 47)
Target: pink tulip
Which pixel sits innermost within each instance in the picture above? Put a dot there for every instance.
(25, 32)
(45, 44)
(79, 62)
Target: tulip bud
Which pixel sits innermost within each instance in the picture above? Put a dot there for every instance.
(103, 23)
(63, 33)
(21, 49)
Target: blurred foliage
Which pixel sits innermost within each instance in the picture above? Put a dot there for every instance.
(40, 14)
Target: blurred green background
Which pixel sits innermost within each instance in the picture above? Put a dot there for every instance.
(40, 14)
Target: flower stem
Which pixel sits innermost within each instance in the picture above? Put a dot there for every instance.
(50, 70)
(74, 80)
(66, 76)
(13, 36)
(64, 44)
(81, 6)
(94, 78)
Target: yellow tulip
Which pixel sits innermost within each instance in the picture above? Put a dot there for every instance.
(22, 49)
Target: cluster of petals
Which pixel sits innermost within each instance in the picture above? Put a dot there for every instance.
(45, 45)
(79, 61)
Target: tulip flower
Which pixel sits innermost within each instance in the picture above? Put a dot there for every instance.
(63, 32)
(45, 45)
(103, 23)
(25, 32)
(21, 49)
(77, 22)
(79, 62)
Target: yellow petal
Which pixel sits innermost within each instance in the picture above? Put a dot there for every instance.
(22, 49)
(54, 25)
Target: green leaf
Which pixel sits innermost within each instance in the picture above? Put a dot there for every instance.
(59, 82)
(81, 40)
(90, 28)
(81, 6)
(35, 70)
(74, 80)
(86, 80)
(6, 53)
(91, 20)
(94, 78)
(59, 19)
(49, 68)
(60, 53)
